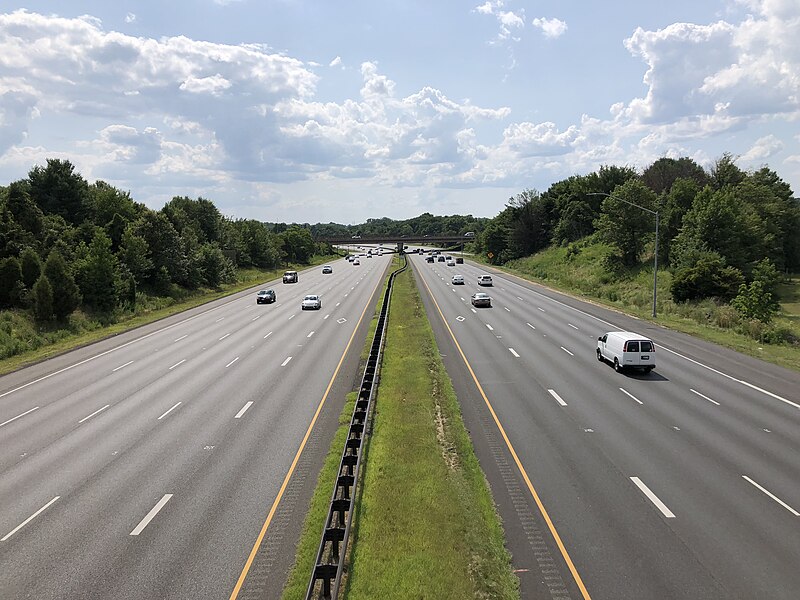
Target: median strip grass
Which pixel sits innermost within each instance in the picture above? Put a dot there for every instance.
(426, 524)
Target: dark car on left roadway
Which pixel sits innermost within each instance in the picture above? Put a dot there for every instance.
(265, 297)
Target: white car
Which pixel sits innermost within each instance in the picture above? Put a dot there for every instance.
(356, 261)
(458, 280)
(485, 280)
(311, 302)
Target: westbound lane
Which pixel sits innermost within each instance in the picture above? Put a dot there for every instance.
(163, 493)
(615, 456)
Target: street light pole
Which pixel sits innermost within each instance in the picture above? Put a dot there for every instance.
(655, 253)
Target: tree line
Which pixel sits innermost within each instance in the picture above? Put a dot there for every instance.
(724, 233)
(67, 244)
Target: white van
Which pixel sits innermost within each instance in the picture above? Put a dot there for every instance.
(625, 349)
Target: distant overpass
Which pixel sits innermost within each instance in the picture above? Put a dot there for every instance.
(395, 239)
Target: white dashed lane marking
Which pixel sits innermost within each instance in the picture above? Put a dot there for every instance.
(653, 498)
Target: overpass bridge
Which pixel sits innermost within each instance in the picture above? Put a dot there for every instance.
(398, 240)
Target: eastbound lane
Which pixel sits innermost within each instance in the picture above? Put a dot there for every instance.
(646, 478)
(149, 469)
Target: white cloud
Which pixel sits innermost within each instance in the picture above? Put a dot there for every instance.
(335, 62)
(507, 20)
(763, 149)
(551, 28)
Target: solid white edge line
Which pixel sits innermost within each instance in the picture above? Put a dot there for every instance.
(558, 398)
(177, 364)
(28, 520)
(514, 352)
(151, 515)
(704, 397)
(130, 362)
(243, 410)
(627, 393)
(567, 351)
(18, 416)
(653, 498)
(99, 410)
(773, 496)
(286, 362)
(233, 361)
(169, 411)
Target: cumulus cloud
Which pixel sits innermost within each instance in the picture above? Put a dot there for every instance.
(551, 28)
(763, 149)
(507, 20)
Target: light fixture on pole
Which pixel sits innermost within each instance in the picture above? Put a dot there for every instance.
(655, 252)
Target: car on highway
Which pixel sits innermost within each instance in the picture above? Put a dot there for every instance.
(459, 260)
(485, 280)
(327, 270)
(311, 302)
(481, 299)
(450, 262)
(429, 259)
(290, 277)
(626, 350)
(265, 297)
(440, 258)
(458, 280)
(356, 262)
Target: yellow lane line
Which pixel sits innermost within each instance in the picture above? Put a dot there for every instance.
(263, 532)
(533, 492)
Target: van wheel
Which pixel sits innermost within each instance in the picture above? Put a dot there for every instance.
(599, 355)
(647, 370)
(617, 366)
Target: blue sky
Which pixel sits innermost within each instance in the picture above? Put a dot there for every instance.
(319, 111)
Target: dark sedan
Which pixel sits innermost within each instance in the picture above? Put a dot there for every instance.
(481, 299)
(265, 297)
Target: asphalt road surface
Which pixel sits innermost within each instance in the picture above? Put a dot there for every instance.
(683, 483)
(149, 465)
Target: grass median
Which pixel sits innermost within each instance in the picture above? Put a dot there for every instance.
(426, 524)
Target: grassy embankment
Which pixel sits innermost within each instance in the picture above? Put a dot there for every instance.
(426, 525)
(579, 271)
(23, 341)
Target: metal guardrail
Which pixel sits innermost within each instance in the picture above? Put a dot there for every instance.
(327, 574)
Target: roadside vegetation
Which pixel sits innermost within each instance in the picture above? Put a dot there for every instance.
(728, 245)
(426, 525)
(79, 261)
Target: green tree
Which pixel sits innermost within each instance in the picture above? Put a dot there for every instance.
(58, 189)
(624, 227)
(298, 244)
(23, 208)
(42, 299)
(31, 266)
(705, 275)
(166, 248)
(755, 302)
(663, 173)
(11, 285)
(725, 173)
(63, 285)
(97, 275)
(675, 204)
(105, 201)
(216, 269)
(134, 253)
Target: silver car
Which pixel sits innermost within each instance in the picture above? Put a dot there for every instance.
(311, 302)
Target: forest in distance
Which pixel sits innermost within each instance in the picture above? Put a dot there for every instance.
(69, 247)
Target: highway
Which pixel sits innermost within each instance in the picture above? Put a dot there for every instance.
(684, 483)
(149, 465)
